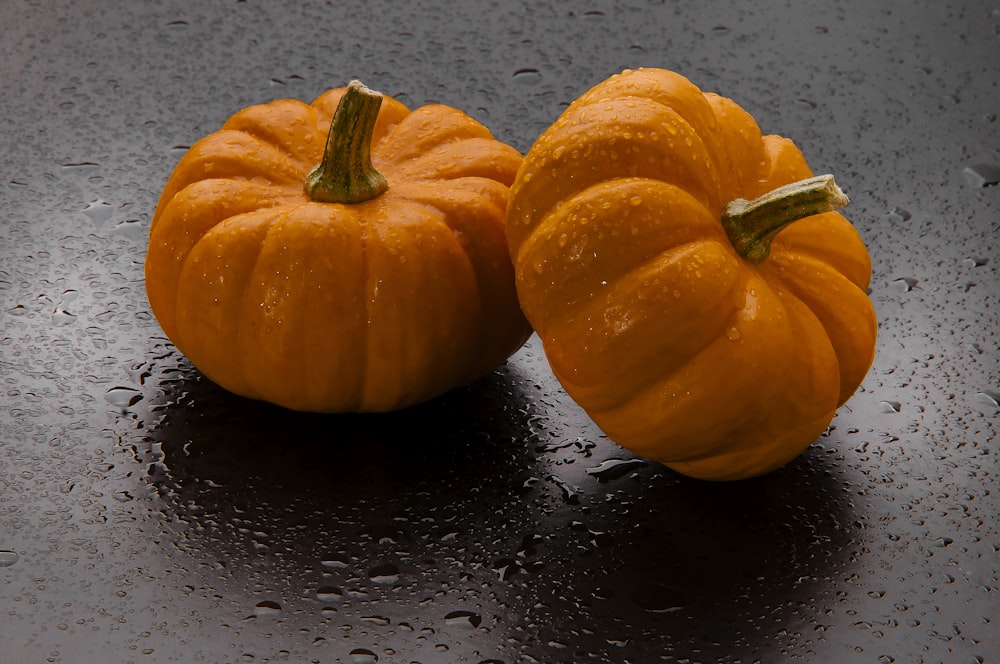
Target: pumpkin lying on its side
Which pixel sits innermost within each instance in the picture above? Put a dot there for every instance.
(381, 282)
(695, 328)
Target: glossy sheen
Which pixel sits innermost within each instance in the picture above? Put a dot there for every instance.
(676, 346)
(326, 307)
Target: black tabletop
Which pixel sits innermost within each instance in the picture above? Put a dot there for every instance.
(148, 515)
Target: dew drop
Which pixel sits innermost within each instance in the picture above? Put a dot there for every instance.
(658, 599)
(99, 211)
(362, 656)
(384, 574)
(335, 563)
(988, 401)
(267, 609)
(61, 317)
(123, 397)
(983, 175)
(463, 619)
(329, 593)
(900, 214)
(614, 468)
(527, 76)
(906, 284)
(8, 558)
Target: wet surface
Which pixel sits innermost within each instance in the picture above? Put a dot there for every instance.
(145, 514)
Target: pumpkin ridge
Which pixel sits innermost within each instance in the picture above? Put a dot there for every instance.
(450, 161)
(245, 305)
(426, 128)
(259, 122)
(625, 191)
(474, 203)
(626, 373)
(849, 346)
(225, 155)
(566, 152)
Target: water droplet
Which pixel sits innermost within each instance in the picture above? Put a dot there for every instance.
(329, 593)
(614, 468)
(8, 558)
(568, 492)
(506, 568)
(527, 76)
(131, 229)
(333, 562)
(267, 609)
(380, 621)
(123, 496)
(384, 574)
(123, 397)
(463, 619)
(99, 211)
(982, 175)
(988, 401)
(890, 406)
(900, 214)
(658, 599)
(362, 656)
(61, 317)
(906, 283)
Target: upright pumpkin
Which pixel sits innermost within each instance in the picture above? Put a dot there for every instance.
(655, 254)
(375, 281)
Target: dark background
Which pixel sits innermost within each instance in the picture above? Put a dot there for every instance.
(146, 515)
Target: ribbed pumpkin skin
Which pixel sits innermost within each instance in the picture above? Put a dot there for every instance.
(332, 307)
(676, 346)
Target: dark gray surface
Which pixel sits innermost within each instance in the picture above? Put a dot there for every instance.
(145, 515)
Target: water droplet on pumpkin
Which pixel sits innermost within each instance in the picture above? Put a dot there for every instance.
(734, 334)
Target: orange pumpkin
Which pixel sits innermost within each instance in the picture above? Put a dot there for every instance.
(677, 301)
(377, 280)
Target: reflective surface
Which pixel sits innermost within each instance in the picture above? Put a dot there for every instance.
(145, 514)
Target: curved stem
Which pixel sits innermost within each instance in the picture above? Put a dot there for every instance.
(752, 225)
(346, 174)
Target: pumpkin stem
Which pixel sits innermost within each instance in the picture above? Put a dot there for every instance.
(346, 174)
(752, 225)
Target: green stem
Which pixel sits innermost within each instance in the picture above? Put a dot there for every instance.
(346, 174)
(752, 225)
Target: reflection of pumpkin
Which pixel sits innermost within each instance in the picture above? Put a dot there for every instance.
(691, 332)
(398, 290)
